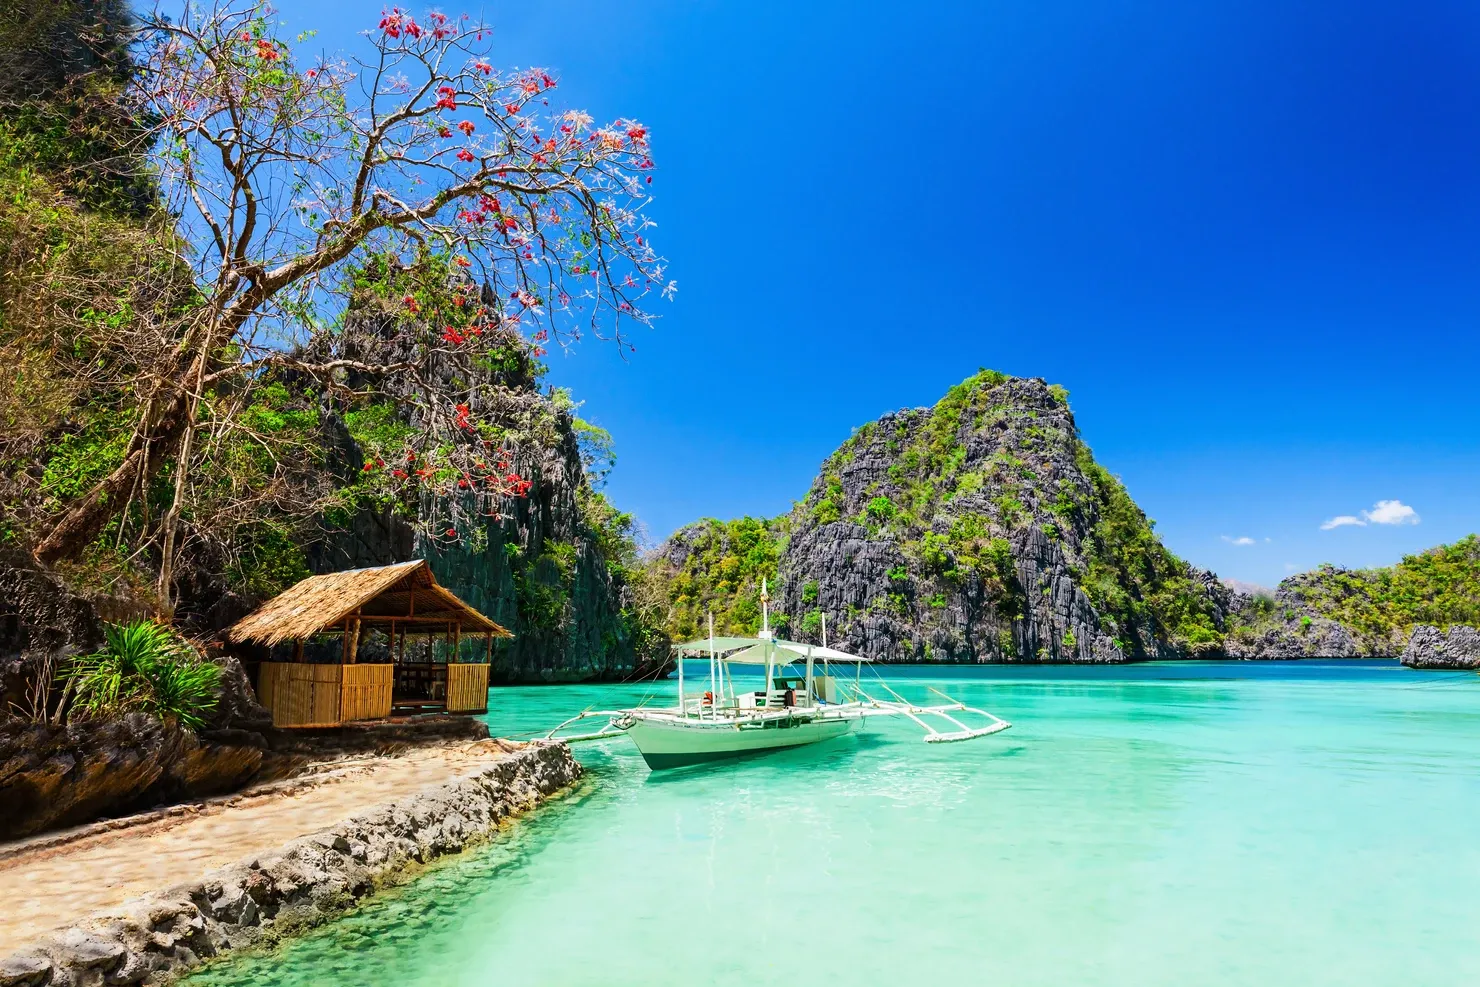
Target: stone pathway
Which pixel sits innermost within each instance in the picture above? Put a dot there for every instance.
(47, 885)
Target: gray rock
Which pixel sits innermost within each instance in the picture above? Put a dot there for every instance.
(80, 951)
(25, 969)
(1429, 647)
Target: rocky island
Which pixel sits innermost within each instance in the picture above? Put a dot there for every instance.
(983, 529)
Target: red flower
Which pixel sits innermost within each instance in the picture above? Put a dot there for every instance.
(369, 467)
(463, 262)
(451, 532)
(465, 155)
(466, 127)
(411, 304)
(511, 108)
(399, 474)
(444, 132)
(483, 67)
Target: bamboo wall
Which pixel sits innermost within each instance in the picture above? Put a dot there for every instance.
(304, 695)
(366, 692)
(467, 688)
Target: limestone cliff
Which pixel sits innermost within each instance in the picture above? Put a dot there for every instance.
(551, 568)
(980, 529)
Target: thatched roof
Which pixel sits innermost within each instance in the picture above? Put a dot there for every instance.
(405, 592)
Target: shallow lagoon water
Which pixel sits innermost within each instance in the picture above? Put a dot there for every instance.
(1190, 823)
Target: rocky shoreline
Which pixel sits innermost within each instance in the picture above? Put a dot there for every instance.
(154, 938)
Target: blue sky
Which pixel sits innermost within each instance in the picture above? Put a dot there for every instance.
(1246, 236)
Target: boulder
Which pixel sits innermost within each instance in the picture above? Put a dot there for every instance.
(1456, 649)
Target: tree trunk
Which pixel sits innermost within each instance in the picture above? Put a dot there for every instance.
(172, 517)
(146, 454)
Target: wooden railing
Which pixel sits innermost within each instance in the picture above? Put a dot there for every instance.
(467, 688)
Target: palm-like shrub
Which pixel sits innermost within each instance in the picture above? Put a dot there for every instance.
(146, 667)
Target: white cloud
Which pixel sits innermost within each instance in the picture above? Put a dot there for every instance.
(1391, 512)
(1383, 512)
(1241, 540)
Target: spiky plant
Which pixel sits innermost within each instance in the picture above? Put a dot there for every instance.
(147, 667)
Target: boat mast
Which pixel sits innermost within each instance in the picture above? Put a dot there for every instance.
(765, 611)
(713, 695)
(680, 682)
(809, 675)
(766, 636)
(824, 646)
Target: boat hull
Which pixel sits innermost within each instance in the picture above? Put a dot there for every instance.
(667, 744)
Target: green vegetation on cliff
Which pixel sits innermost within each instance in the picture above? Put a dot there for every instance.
(1135, 579)
(1380, 606)
(716, 567)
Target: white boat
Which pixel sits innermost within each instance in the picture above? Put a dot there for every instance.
(802, 702)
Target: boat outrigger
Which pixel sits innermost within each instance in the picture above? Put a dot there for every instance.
(797, 706)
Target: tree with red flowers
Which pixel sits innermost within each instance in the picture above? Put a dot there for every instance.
(506, 224)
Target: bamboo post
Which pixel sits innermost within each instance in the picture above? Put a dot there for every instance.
(298, 649)
(456, 644)
(488, 647)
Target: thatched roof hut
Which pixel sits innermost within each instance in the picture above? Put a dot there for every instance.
(405, 601)
(405, 594)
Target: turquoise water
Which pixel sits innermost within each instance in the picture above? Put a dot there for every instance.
(1237, 823)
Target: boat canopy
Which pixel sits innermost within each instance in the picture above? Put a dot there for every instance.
(752, 650)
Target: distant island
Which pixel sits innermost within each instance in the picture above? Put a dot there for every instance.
(983, 530)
